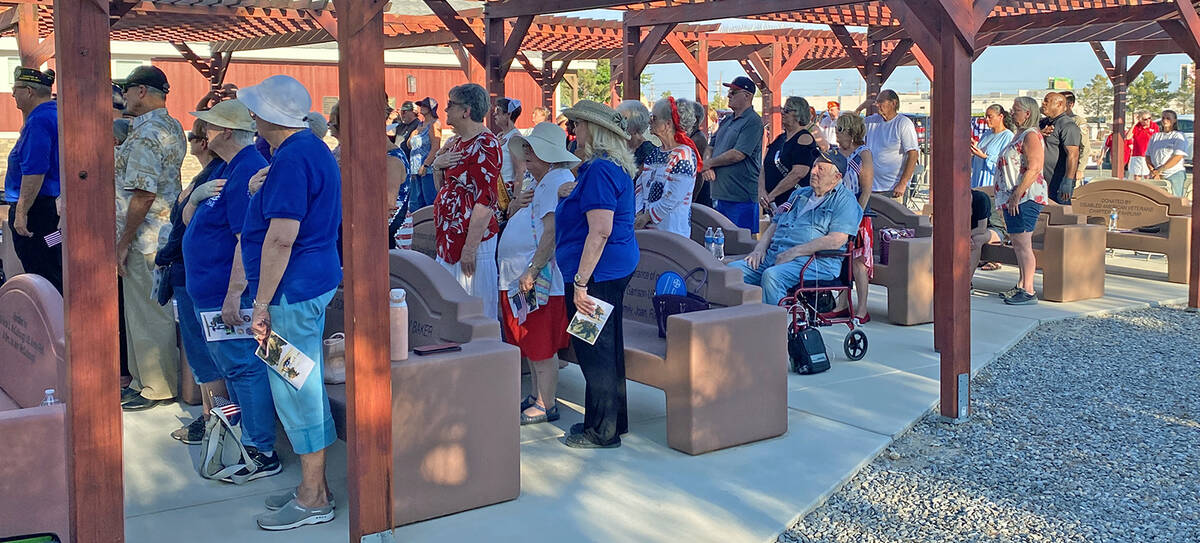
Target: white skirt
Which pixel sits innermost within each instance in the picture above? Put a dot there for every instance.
(484, 283)
(1138, 166)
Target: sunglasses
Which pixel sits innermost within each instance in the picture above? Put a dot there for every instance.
(196, 137)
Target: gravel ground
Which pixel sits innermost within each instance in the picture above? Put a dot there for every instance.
(1087, 430)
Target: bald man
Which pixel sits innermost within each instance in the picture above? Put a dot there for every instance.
(1062, 148)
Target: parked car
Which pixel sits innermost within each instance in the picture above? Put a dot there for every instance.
(921, 121)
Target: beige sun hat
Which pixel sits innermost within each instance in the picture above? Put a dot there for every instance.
(228, 114)
(599, 115)
(549, 143)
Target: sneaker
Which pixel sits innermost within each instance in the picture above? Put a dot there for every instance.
(267, 466)
(294, 515)
(1021, 298)
(276, 502)
(193, 433)
(1010, 292)
(129, 394)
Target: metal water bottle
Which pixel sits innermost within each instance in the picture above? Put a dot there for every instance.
(399, 318)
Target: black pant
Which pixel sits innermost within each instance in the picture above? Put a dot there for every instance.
(606, 412)
(35, 255)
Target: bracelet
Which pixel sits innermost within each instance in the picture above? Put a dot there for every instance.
(258, 304)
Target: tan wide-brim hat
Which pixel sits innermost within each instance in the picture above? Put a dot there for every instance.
(549, 143)
(228, 114)
(599, 115)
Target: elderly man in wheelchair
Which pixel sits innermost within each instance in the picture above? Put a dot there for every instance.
(819, 217)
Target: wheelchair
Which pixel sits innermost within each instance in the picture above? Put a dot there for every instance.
(806, 304)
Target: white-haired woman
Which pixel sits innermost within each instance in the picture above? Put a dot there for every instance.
(533, 309)
(637, 122)
(467, 169)
(1021, 193)
(664, 187)
(789, 159)
(596, 247)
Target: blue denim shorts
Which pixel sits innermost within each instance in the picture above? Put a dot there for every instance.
(1026, 218)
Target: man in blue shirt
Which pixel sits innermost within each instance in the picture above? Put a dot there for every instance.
(819, 217)
(216, 281)
(31, 184)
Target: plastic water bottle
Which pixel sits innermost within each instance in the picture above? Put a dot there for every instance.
(1112, 220)
(50, 400)
(399, 321)
(719, 244)
(710, 240)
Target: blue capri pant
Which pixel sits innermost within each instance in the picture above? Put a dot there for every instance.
(304, 412)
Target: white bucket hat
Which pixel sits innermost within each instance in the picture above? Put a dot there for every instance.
(549, 143)
(228, 114)
(279, 100)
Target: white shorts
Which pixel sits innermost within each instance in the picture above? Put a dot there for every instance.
(1138, 166)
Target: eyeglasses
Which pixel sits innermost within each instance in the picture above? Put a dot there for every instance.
(453, 103)
(788, 110)
(196, 137)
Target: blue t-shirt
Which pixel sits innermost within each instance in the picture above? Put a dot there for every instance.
(211, 237)
(305, 184)
(36, 152)
(601, 184)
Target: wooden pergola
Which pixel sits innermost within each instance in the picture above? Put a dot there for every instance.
(940, 36)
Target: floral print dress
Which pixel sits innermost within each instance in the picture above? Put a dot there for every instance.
(472, 181)
(1011, 168)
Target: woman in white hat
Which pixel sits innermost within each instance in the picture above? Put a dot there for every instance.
(664, 188)
(467, 169)
(596, 247)
(529, 277)
(289, 250)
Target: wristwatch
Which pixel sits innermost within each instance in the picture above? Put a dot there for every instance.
(579, 281)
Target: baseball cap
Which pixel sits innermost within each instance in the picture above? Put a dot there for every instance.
(408, 106)
(831, 157)
(149, 76)
(743, 83)
(833, 104)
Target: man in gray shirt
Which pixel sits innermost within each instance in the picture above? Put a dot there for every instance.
(732, 161)
(1062, 145)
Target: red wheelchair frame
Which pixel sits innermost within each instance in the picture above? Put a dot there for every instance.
(804, 313)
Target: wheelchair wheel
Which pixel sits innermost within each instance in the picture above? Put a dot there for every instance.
(855, 345)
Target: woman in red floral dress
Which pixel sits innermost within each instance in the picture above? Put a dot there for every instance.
(466, 170)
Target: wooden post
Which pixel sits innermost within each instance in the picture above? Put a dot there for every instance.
(1194, 269)
(875, 76)
(93, 423)
(493, 39)
(1120, 86)
(368, 333)
(631, 77)
(702, 92)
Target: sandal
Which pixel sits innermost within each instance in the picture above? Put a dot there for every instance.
(546, 416)
(989, 266)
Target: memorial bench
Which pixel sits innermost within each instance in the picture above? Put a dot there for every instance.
(1069, 252)
(723, 370)
(33, 461)
(908, 273)
(455, 424)
(738, 241)
(1149, 219)
(423, 232)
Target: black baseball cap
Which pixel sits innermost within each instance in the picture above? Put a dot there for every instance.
(407, 106)
(743, 83)
(149, 76)
(33, 75)
(832, 157)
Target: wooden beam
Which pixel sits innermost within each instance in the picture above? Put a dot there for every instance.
(1120, 90)
(685, 56)
(1182, 39)
(466, 36)
(424, 39)
(119, 9)
(368, 337)
(512, 44)
(894, 58)
(9, 18)
(1194, 269)
(1191, 21)
(93, 423)
(709, 11)
(923, 30)
(1164, 46)
(850, 47)
(1105, 62)
(28, 37)
(1122, 14)
(923, 61)
(272, 41)
(649, 43)
(1139, 65)
(198, 63)
(327, 22)
(43, 52)
(517, 8)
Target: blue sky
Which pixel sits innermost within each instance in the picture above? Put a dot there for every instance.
(998, 69)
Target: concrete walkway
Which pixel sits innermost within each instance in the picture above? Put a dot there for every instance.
(644, 491)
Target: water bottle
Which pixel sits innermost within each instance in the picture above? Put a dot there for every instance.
(709, 240)
(399, 321)
(50, 400)
(1112, 220)
(719, 244)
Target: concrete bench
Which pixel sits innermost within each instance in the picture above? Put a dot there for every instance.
(423, 237)
(1149, 219)
(1069, 252)
(908, 274)
(738, 241)
(33, 472)
(723, 370)
(455, 424)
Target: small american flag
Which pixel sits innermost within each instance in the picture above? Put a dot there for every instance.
(226, 407)
(783, 208)
(54, 238)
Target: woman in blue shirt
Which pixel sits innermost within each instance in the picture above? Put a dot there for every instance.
(289, 250)
(985, 153)
(595, 245)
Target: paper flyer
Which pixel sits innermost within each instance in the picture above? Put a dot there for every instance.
(588, 328)
(291, 364)
(215, 328)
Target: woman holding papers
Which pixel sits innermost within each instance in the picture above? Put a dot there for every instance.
(596, 247)
(532, 309)
(289, 250)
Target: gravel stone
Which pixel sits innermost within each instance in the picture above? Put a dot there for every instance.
(1085, 431)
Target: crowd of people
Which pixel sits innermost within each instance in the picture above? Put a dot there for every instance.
(517, 213)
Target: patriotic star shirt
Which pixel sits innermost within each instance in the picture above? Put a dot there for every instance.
(664, 189)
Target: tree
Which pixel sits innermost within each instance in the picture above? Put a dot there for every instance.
(1185, 96)
(1095, 100)
(1149, 93)
(594, 84)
